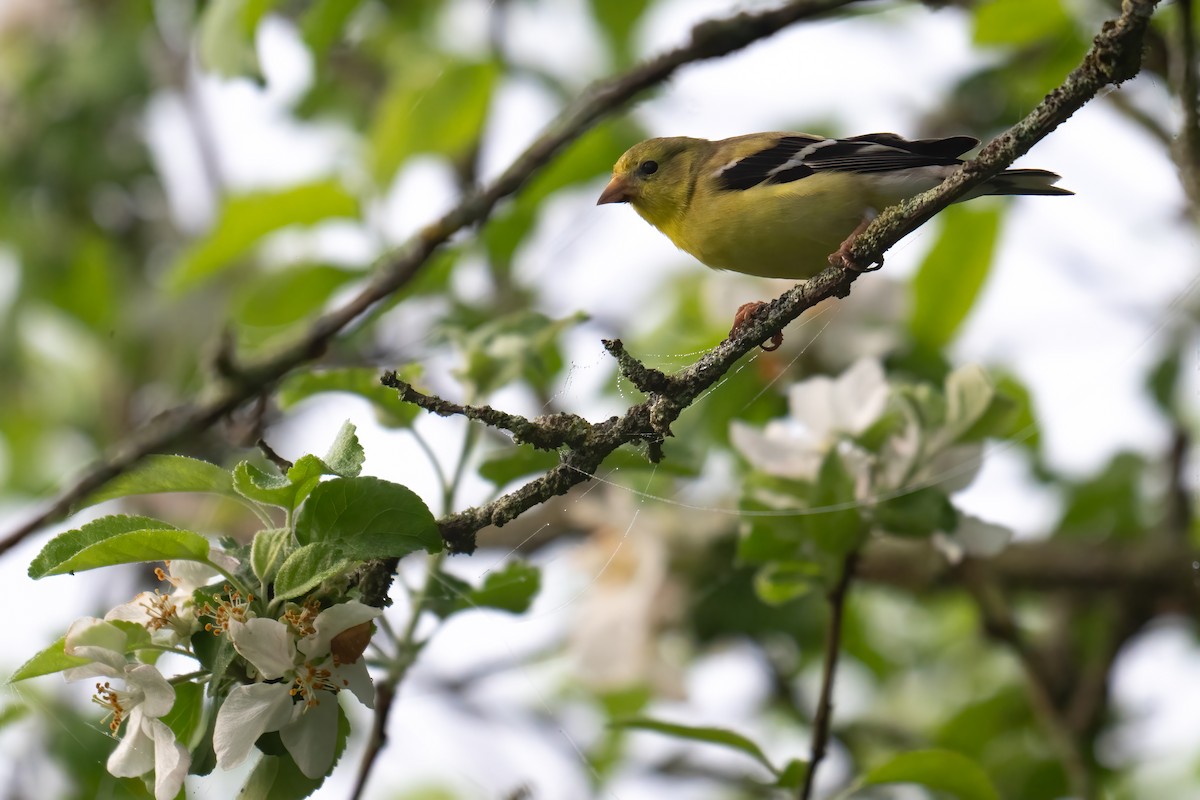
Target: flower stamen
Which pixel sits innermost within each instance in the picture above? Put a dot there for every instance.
(108, 697)
(301, 619)
(232, 609)
(311, 680)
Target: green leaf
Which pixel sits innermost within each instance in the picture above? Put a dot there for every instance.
(323, 23)
(214, 652)
(308, 567)
(835, 523)
(69, 543)
(226, 39)
(940, 770)
(345, 459)
(390, 410)
(919, 513)
(268, 551)
(1020, 22)
(793, 774)
(117, 540)
(369, 517)
(945, 287)
(13, 712)
(154, 474)
(279, 298)
(765, 539)
(53, 659)
(617, 20)
(246, 219)
(432, 105)
(1108, 503)
(511, 589)
(719, 736)
(305, 474)
(1163, 381)
(523, 344)
(278, 490)
(186, 717)
(446, 594)
(346, 455)
(516, 462)
(783, 581)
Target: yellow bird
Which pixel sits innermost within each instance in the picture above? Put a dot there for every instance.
(779, 204)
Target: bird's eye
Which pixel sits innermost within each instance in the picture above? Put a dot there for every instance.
(648, 167)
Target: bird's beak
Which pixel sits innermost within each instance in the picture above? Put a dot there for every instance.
(617, 191)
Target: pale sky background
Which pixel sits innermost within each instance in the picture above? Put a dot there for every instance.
(1076, 305)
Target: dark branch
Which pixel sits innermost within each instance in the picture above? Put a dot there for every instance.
(1158, 568)
(545, 433)
(833, 644)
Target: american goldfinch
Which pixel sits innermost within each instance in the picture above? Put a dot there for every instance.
(778, 204)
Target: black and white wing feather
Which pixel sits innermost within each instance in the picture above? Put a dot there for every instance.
(796, 156)
(792, 157)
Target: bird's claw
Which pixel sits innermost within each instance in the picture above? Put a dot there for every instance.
(747, 312)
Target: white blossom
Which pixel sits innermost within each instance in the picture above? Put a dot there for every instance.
(148, 744)
(821, 411)
(299, 679)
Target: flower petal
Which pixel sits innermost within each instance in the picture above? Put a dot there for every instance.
(811, 402)
(265, 643)
(158, 696)
(356, 678)
(247, 713)
(312, 737)
(776, 450)
(134, 754)
(171, 761)
(332, 621)
(133, 611)
(860, 396)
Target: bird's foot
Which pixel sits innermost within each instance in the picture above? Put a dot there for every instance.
(842, 257)
(747, 312)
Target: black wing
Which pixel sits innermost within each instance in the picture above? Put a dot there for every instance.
(794, 157)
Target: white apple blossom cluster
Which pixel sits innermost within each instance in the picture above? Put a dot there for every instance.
(892, 439)
(294, 660)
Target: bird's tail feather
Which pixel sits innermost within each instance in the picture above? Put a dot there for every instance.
(1023, 181)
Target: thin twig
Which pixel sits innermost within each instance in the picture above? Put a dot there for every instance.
(547, 432)
(833, 644)
(709, 39)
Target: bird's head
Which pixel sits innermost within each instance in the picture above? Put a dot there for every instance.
(654, 177)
